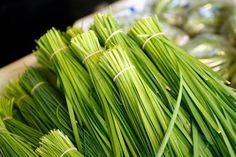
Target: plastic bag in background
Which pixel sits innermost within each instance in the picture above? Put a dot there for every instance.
(229, 28)
(208, 17)
(173, 15)
(174, 12)
(216, 52)
(176, 35)
(136, 10)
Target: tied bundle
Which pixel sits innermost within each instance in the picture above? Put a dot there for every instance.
(12, 145)
(44, 59)
(88, 50)
(82, 101)
(32, 114)
(49, 100)
(14, 126)
(110, 34)
(56, 144)
(147, 112)
(117, 94)
(209, 101)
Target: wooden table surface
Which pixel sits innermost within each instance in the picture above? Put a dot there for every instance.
(14, 69)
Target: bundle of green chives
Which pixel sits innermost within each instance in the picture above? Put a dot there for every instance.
(65, 37)
(48, 99)
(107, 28)
(87, 48)
(209, 101)
(56, 144)
(15, 126)
(12, 145)
(28, 107)
(42, 59)
(127, 101)
(144, 108)
(111, 34)
(78, 89)
(17, 114)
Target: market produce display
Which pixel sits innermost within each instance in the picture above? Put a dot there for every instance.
(185, 22)
(110, 93)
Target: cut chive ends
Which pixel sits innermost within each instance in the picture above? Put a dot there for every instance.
(57, 144)
(12, 144)
(105, 92)
(15, 126)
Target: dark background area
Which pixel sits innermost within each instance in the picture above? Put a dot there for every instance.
(23, 21)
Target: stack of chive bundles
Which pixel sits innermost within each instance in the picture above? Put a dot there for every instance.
(117, 94)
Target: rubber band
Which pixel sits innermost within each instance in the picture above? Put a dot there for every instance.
(36, 86)
(113, 34)
(91, 54)
(21, 98)
(67, 151)
(7, 117)
(57, 51)
(153, 36)
(57, 111)
(122, 71)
